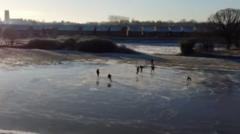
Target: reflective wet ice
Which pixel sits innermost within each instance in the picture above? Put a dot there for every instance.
(43, 99)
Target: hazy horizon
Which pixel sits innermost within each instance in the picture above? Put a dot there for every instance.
(82, 11)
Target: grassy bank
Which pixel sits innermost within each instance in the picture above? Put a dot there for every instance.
(91, 46)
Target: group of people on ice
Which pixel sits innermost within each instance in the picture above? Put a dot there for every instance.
(141, 67)
(139, 70)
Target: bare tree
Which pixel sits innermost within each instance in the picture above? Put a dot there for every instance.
(226, 23)
(118, 19)
(9, 35)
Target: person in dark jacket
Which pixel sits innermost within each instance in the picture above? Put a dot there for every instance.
(152, 68)
(110, 77)
(189, 80)
(141, 68)
(98, 73)
(138, 69)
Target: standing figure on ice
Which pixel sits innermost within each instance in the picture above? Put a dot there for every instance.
(189, 80)
(98, 73)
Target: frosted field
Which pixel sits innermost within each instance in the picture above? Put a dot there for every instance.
(69, 99)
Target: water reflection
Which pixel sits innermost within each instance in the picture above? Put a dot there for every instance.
(109, 85)
(137, 79)
(98, 83)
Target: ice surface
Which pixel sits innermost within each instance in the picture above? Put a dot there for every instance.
(154, 48)
(68, 98)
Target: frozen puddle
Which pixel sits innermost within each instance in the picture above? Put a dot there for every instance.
(68, 98)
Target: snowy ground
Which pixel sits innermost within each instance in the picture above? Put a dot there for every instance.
(68, 99)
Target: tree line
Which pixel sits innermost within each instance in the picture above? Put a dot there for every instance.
(224, 24)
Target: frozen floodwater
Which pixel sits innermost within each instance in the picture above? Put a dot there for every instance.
(154, 48)
(69, 99)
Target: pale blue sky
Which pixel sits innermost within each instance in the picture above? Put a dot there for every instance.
(99, 10)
